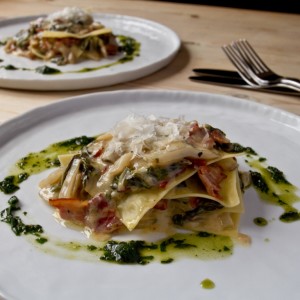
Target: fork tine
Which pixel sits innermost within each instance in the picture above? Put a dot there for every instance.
(246, 56)
(253, 56)
(238, 63)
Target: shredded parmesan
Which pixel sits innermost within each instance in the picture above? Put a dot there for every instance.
(139, 135)
(69, 14)
(66, 18)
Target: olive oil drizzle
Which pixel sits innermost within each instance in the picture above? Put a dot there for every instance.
(128, 45)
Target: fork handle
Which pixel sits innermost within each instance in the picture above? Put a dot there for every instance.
(292, 83)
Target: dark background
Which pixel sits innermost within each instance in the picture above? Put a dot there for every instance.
(288, 6)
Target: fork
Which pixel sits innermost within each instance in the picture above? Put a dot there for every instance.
(252, 68)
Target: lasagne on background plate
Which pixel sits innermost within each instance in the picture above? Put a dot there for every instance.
(64, 37)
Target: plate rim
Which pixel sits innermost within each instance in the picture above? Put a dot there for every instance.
(278, 114)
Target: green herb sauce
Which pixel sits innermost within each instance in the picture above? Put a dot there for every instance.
(272, 187)
(128, 45)
(37, 162)
(127, 252)
(207, 284)
(203, 246)
(259, 221)
(236, 148)
(167, 261)
(46, 70)
(8, 215)
(41, 240)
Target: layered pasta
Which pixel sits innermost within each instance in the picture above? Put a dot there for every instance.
(148, 170)
(64, 37)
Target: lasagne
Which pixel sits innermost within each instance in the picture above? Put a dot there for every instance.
(64, 37)
(146, 168)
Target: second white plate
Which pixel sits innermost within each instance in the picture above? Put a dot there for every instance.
(159, 45)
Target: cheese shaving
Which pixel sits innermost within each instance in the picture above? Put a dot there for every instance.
(140, 135)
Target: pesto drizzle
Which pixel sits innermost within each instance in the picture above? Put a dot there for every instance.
(202, 245)
(37, 162)
(207, 284)
(127, 252)
(273, 187)
(8, 215)
(260, 221)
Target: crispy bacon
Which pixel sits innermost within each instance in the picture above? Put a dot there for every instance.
(162, 184)
(211, 176)
(206, 136)
(98, 214)
(218, 136)
(162, 204)
(71, 209)
(194, 202)
(111, 49)
(101, 215)
(197, 162)
(200, 135)
(98, 153)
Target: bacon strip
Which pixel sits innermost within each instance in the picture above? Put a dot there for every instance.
(211, 176)
(98, 214)
(206, 136)
(71, 209)
(218, 136)
(101, 215)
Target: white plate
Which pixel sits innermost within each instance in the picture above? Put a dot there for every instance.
(159, 45)
(265, 270)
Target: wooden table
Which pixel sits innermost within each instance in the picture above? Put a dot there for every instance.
(202, 29)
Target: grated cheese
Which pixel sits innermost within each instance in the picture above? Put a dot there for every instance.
(69, 14)
(139, 135)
